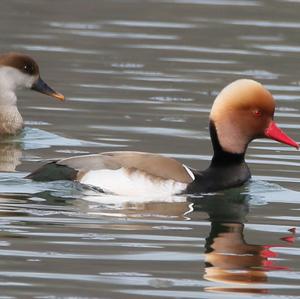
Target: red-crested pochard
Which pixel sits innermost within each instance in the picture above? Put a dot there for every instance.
(241, 112)
(18, 71)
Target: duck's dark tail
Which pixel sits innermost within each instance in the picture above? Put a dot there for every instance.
(53, 172)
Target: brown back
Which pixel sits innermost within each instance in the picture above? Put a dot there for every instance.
(152, 164)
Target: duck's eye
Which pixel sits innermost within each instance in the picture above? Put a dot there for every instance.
(257, 113)
(28, 69)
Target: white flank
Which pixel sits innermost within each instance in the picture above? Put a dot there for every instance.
(122, 182)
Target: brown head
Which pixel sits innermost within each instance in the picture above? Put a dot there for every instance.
(243, 111)
(19, 70)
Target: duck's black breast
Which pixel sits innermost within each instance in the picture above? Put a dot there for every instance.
(226, 170)
(219, 178)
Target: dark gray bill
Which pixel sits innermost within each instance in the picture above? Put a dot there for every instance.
(40, 86)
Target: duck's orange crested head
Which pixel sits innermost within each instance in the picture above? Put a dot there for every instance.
(243, 111)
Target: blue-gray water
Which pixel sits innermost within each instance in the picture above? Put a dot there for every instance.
(142, 75)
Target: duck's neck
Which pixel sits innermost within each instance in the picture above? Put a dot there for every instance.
(222, 158)
(11, 121)
(226, 170)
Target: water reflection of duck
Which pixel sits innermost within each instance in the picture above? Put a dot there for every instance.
(242, 112)
(18, 71)
(233, 264)
(229, 259)
(10, 156)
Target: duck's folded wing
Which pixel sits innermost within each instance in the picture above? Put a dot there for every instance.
(150, 164)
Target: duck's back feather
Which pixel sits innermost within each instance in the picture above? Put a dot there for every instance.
(153, 165)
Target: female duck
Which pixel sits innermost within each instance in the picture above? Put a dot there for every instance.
(18, 71)
(242, 112)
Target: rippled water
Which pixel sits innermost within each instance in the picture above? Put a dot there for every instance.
(142, 75)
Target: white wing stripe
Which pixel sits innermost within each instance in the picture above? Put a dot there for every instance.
(189, 172)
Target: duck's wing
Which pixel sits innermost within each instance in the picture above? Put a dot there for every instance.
(149, 164)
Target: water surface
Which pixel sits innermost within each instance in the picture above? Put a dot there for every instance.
(142, 75)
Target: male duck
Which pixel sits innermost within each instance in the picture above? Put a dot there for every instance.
(242, 111)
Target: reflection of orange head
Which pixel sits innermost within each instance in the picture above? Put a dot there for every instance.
(236, 290)
(240, 276)
(229, 259)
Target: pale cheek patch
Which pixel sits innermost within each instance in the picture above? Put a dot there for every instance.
(28, 81)
(134, 183)
(12, 79)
